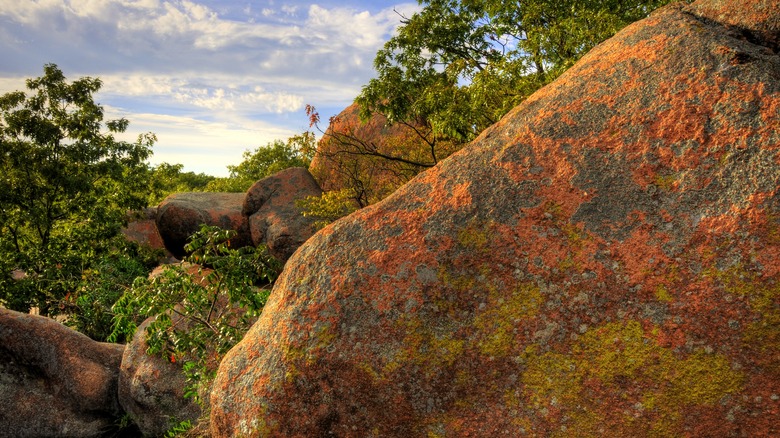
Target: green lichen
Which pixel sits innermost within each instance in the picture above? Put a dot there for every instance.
(763, 333)
(257, 426)
(475, 236)
(662, 294)
(460, 282)
(620, 362)
(502, 313)
(422, 346)
(665, 182)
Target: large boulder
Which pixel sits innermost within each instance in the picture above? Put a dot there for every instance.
(181, 214)
(274, 218)
(54, 381)
(605, 261)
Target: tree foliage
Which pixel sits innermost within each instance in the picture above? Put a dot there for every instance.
(166, 178)
(266, 160)
(201, 308)
(113, 273)
(458, 66)
(453, 69)
(329, 206)
(65, 186)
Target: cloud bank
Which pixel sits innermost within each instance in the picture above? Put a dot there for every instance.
(210, 78)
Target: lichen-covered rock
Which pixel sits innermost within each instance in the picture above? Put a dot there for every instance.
(274, 219)
(54, 381)
(181, 214)
(151, 388)
(142, 229)
(605, 261)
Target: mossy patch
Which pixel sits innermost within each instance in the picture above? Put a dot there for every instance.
(502, 313)
(763, 333)
(618, 364)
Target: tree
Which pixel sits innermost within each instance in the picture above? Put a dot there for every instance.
(453, 69)
(266, 160)
(167, 178)
(458, 66)
(65, 188)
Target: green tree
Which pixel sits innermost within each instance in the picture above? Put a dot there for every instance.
(166, 178)
(278, 155)
(457, 66)
(65, 187)
(453, 69)
(203, 307)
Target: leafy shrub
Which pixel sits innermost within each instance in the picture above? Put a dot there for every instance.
(203, 307)
(329, 206)
(102, 284)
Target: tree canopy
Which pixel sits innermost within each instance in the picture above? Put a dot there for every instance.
(296, 151)
(65, 188)
(453, 69)
(458, 66)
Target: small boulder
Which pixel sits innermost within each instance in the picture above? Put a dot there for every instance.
(151, 388)
(181, 214)
(54, 381)
(274, 219)
(142, 229)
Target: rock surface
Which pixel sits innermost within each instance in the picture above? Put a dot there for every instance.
(605, 261)
(274, 219)
(142, 229)
(181, 214)
(151, 388)
(345, 146)
(54, 381)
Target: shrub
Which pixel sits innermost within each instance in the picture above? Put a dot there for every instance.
(102, 284)
(202, 307)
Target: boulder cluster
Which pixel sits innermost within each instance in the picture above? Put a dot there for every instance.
(56, 382)
(604, 261)
(266, 214)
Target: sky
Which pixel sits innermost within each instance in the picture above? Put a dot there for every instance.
(210, 78)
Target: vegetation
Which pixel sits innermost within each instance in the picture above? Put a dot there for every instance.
(278, 155)
(166, 178)
(65, 189)
(453, 69)
(202, 307)
(329, 206)
(458, 66)
(89, 305)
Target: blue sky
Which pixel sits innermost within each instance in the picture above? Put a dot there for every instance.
(210, 78)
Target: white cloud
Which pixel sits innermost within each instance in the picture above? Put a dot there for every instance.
(237, 73)
(202, 146)
(289, 10)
